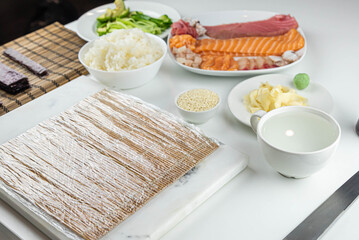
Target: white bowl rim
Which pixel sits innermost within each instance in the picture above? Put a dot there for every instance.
(158, 39)
(215, 107)
(311, 109)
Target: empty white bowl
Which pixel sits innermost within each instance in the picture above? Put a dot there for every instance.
(127, 78)
(197, 117)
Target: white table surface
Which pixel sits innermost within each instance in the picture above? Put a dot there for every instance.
(259, 203)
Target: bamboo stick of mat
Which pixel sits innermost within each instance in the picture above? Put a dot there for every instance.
(54, 47)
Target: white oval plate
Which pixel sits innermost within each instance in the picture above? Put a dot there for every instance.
(217, 18)
(86, 25)
(317, 95)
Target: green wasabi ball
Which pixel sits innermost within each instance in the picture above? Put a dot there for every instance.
(301, 80)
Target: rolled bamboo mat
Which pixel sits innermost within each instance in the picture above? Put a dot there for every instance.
(54, 47)
(94, 165)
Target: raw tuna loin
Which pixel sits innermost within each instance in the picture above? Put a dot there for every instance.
(276, 25)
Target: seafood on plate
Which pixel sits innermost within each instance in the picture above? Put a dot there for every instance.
(276, 25)
(252, 46)
(269, 43)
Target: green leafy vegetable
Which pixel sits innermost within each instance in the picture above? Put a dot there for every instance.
(122, 18)
(163, 22)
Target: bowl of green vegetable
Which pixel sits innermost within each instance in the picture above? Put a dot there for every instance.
(150, 17)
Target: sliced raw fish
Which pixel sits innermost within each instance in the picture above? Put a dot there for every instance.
(251, 46)
(182, 27)
(276, 25)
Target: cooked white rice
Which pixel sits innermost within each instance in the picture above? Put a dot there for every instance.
(123, 49)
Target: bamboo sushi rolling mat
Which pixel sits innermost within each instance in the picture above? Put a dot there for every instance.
(95, 164)
(54, 47)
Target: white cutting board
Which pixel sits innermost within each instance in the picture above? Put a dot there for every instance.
(160, 214)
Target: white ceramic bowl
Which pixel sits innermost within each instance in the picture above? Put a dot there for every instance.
(127, 78)
(297, 163)
(197, 117)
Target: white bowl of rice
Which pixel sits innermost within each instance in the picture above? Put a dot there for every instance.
(125, 58)
(197, 105)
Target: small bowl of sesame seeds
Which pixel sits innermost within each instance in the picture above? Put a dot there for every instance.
(197, 105)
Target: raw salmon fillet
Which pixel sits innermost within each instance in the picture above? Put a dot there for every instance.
(223, 63)
(251, 46)
(178, 41)
(276, 25)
